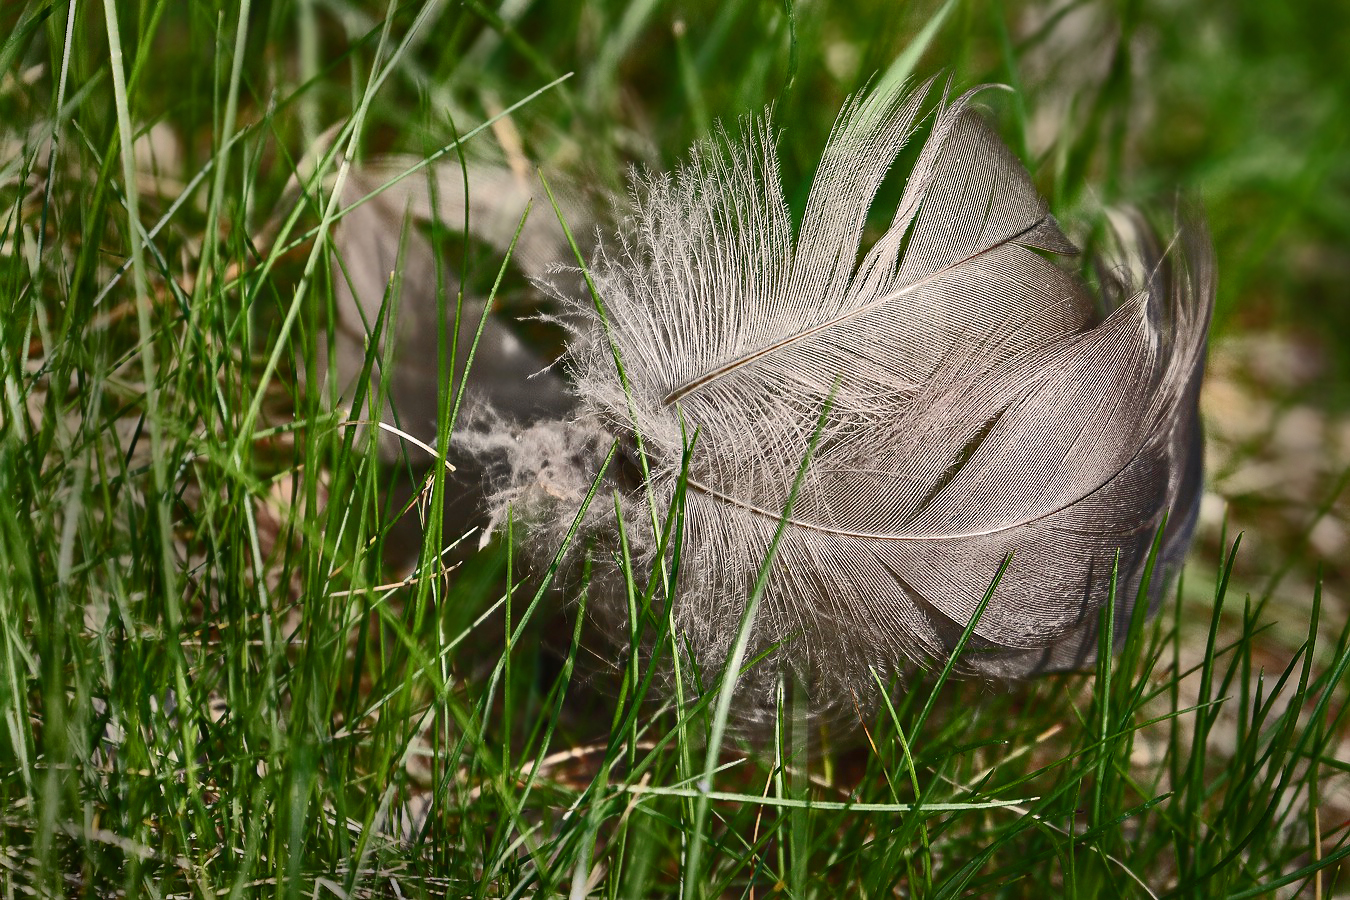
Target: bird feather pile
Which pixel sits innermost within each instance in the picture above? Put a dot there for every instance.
(868, 432)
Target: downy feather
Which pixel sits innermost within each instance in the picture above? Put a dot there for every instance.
(968, 396)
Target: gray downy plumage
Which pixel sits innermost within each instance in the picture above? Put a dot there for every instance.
(969, 399)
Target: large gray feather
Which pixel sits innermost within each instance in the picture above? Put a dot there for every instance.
(967, 395)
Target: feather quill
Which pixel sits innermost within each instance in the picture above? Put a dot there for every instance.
(968, 398)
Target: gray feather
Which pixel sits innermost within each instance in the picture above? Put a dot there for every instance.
(979, 401)
(367, 253)
(507, 382)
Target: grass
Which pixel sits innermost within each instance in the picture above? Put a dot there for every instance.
(208, 685)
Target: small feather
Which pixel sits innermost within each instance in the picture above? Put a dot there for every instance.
(968, 396)
(378, 236)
